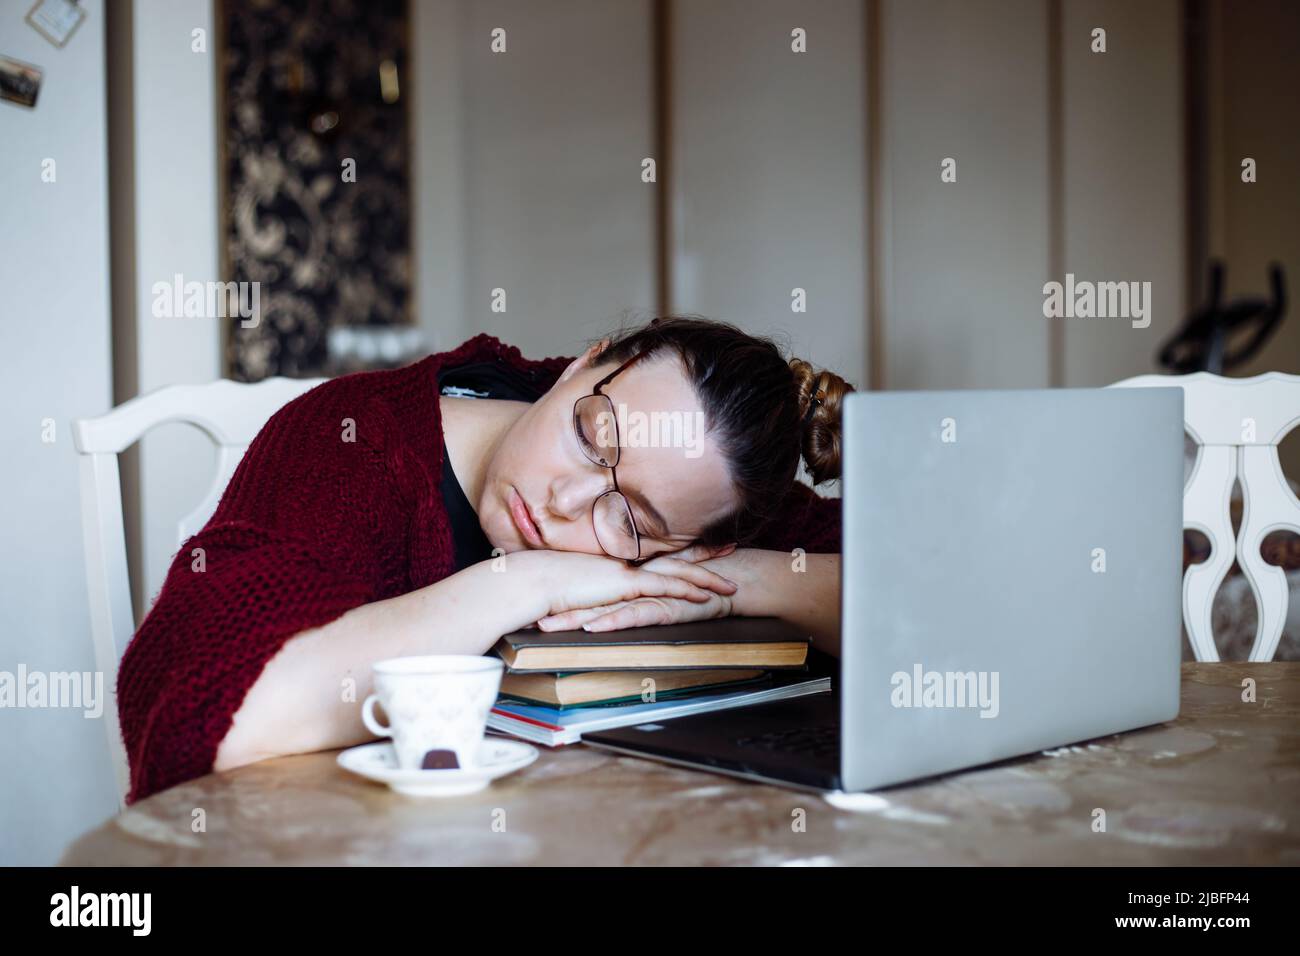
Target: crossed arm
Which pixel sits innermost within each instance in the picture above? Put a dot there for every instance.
(803, 589)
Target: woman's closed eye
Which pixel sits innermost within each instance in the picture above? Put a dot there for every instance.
(586, 442)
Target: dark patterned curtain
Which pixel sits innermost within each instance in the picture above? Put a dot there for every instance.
(308, 86)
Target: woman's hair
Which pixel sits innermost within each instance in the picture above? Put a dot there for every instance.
(763, 411)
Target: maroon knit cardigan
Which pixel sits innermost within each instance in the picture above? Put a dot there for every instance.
(310, 526)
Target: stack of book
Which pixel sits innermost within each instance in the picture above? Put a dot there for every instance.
(561, 684)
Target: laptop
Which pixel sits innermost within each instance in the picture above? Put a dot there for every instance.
(1011, 581)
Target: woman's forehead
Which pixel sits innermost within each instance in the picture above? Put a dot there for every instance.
(667, 457)
(656, 382)
(689, 493)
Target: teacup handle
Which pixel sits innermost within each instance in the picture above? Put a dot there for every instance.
(368, 718)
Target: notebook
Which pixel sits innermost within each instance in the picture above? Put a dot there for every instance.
(615, 687)
(766, 643)
(552, 727)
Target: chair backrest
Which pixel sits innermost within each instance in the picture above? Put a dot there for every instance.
(1238, 422)
(231, 414)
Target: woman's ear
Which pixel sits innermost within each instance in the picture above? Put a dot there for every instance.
(585, 360)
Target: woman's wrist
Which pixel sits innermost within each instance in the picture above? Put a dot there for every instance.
(512, 589)
(754, 572)
(803, 589)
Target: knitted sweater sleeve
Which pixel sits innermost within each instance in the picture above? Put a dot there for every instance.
(311, 525)
(804, 519)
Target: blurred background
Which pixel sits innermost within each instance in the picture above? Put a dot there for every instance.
(398, 176)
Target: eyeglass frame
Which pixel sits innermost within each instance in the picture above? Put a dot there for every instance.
(618, 455)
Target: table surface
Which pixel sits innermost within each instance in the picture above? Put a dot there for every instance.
(1217, 786)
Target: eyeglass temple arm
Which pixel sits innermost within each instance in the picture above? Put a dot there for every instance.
(610, 377)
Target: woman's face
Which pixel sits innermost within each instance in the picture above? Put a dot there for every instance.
(540, 486)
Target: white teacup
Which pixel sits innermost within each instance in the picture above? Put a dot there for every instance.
(437, 707)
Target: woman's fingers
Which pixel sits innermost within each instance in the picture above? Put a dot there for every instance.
(652, 584)
(603, 581)
(572, 620)
(644, 613)
(698, 575)
(648, 612)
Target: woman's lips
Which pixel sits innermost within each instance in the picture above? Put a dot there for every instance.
(524, 520)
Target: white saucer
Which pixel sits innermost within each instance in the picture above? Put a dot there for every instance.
(496, 758)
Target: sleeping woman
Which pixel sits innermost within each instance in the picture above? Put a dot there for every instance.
(433, 508)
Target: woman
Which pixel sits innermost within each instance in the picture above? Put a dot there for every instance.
(431, 509)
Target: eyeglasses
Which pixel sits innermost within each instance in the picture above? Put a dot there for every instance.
(596, 426)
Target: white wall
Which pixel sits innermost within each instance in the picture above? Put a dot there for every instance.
(769, 172)
(529, 178)
(54, 363)
(964, 263)
(1123, 180)
(525, 177)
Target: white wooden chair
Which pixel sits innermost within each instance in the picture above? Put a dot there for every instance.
(231, 415)
(1238, 422)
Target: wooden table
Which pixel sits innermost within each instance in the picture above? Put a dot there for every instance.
(1218, 786)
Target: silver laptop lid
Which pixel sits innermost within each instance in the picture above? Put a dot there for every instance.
(1011, 575)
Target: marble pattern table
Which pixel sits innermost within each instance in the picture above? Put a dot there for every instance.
(1220, 785)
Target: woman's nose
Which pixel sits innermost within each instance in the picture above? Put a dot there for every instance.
(572, 495)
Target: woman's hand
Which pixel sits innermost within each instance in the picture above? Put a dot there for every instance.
(651, 610)
(564, 581)
(802, 589)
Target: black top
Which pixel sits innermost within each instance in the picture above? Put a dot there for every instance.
(478, 380)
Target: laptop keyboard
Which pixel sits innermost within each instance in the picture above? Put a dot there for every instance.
(818, 740)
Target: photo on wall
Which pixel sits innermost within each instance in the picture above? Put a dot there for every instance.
(19, 82)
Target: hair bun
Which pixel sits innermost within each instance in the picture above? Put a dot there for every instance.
(819, 398)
